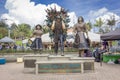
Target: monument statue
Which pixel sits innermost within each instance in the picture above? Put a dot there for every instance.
(37, 43)
(57, 21)
(80, 40)
(58, 28)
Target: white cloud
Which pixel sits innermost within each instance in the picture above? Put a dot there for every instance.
(9, 20)
(73, 18)
(53, 5)
(108, 16)
(24, 11)
(98, 12)
(104, 14)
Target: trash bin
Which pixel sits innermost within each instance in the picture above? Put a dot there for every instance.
(2, 61)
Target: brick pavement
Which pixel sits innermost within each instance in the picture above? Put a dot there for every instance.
(14, 71)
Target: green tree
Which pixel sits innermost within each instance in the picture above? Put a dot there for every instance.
(3, 29)
(14, 31)
(3, 24)
(21, 30)
(99, 23)
(3, 32)
(45, 29)
(24, 30)
(89, 25)
(111, 22)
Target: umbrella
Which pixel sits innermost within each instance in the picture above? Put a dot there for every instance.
(7, 39)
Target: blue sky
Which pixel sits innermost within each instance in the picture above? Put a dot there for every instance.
(80, 7)
(89, 9)
(2, 8)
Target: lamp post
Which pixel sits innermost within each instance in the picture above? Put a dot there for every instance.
(9, 32)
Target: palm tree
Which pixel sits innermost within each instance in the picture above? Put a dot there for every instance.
(3, 29)
(3, 24)
(21, 31)
(111, 22)
(3, 32)
(89, 26)
(99, 24)
(45, 29)
(14, 31)
(24, 30)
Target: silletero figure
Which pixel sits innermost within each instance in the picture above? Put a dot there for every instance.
(80, 29)
(37, 43)
(58, 28)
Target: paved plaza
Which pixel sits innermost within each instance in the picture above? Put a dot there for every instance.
(15, 71)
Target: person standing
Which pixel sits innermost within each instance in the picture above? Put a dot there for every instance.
(58, 28)
(80, 29)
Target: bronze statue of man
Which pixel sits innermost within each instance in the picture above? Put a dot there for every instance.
(58, 28)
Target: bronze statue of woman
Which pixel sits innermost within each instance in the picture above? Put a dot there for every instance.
(37, 43)
(80, 29)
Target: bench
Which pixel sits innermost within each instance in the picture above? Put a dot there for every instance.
(59, 67)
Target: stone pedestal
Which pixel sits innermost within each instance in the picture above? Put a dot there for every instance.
(46, 63)
(59, 67)
(29, 60)
(58, 58)
(88, 62)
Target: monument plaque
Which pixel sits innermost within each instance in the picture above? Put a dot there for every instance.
(59, 67)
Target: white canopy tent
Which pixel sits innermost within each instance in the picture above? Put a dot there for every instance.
(45, 37)
(26, 40)
(92, 36)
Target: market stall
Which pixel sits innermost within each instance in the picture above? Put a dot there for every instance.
(110, 36)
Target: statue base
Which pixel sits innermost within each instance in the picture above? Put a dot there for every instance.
(46, 63)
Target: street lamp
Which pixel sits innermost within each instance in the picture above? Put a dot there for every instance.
(9, 31)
